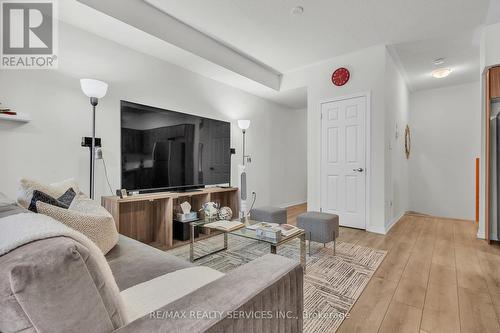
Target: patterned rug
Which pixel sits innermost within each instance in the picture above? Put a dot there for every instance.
(332, 284)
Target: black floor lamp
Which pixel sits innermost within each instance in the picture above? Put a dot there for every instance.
(94, 89)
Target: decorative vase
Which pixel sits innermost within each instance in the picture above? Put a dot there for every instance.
(225, 213)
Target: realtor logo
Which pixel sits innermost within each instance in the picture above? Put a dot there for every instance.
(29, 34)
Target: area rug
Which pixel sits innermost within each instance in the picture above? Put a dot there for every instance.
(332, 284)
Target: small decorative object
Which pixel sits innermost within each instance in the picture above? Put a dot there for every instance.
(225, 213)
(407, 142)
(186, 207)
(340, 76)
(211, 209)
(187, 215)
(121, 193)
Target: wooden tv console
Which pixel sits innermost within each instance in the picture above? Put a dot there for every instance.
(149, 217)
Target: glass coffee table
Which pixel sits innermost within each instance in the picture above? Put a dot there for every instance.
(201, 223)
(251, 234)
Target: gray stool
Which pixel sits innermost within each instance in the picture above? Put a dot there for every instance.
(319, 227)
(269, 214)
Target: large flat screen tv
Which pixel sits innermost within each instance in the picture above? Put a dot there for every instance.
(168, 150)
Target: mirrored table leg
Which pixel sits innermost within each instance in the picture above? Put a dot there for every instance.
(303, 251)
(191, 244)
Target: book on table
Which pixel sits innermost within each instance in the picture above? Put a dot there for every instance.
(274, 230)
(224, 225)
(262, 225)
(289, 230)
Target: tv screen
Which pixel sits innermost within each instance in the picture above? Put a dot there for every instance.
(163, 149)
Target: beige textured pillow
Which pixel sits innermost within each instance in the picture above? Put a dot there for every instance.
(65, 184)
(27, 186)
(98, 224)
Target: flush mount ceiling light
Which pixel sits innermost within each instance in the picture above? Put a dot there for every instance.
(297, 10)
(441, 73)
(438, 61)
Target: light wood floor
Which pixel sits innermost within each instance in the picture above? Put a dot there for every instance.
(437, 277)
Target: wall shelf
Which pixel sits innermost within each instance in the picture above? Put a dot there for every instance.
(20, 117)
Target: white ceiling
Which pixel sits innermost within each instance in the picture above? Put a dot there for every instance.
(460, 53)
(264, 34)
(265, 29)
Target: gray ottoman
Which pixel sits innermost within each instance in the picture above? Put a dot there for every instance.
(319, 227)
(269, 214)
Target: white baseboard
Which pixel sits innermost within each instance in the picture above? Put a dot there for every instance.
(383, 230)
(481, 235)
(376, 229)
(394, 221)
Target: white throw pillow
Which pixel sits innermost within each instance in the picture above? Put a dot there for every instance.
(65, 184)
(27, 186)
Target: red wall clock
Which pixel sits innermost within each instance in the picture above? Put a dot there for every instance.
(340, 76)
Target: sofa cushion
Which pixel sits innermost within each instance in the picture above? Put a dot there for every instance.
(27, 186)
(151, 295)
(133, 262)
(37, 244)
(93, 221)
(63, 201)
(67, 197)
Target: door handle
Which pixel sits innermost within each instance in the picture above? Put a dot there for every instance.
(358, 170)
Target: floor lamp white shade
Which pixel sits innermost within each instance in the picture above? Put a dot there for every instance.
(94, 89)
(243, 124)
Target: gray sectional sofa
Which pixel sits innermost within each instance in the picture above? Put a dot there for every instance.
(55, 285)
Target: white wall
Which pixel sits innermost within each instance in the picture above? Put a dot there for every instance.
(367, 69)
(445, 143)
(396, 164)
(294, 164)
(48, 148)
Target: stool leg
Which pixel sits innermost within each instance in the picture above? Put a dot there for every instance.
(309, 244)
(334, 242)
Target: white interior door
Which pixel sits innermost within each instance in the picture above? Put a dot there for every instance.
(343, 160)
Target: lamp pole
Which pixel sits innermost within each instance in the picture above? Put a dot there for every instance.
(94, 89)
(93, 101)
(244, 131)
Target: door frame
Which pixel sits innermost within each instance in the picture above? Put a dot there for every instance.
(368, 155)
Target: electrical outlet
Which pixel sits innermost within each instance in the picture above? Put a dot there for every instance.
(98, 153)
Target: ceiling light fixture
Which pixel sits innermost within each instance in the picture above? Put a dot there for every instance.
(441, 73)
(297, 10)
(438, 61)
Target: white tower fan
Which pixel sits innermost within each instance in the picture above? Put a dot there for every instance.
(242, 174)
